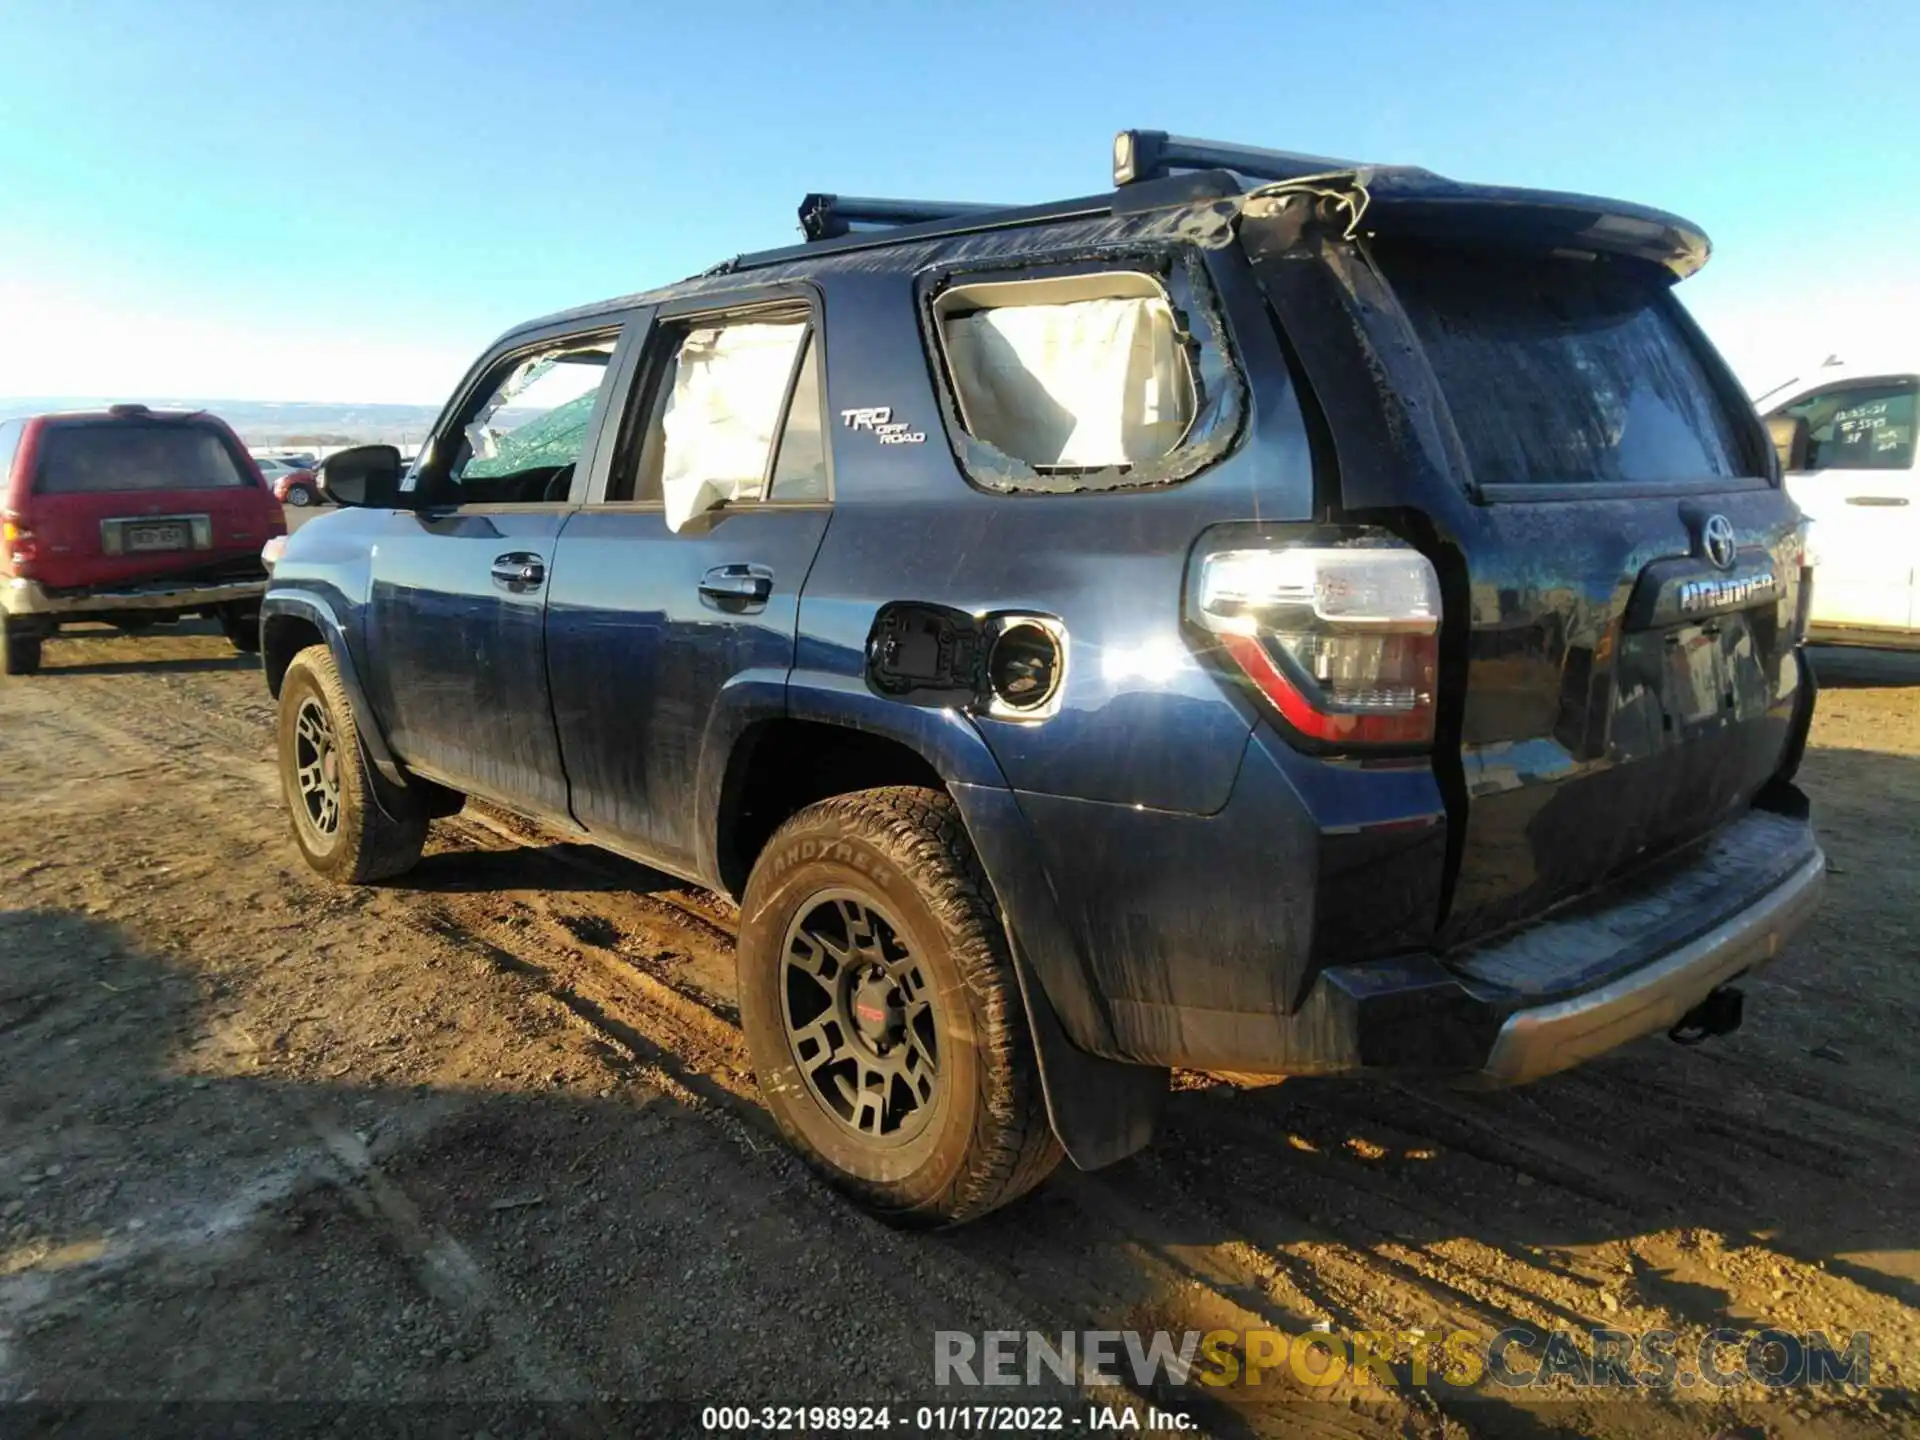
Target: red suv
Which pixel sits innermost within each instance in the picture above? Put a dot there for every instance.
(128, 516)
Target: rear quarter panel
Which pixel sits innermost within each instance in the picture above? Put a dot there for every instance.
(1141, 722)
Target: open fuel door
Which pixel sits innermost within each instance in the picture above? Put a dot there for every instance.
(1007, 664)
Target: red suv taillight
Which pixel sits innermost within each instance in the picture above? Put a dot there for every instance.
(1342, 639)
(18, 545)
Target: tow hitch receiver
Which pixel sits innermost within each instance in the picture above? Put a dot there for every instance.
(1718, 1014)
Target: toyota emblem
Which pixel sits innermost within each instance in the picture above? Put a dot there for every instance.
(1716, 537)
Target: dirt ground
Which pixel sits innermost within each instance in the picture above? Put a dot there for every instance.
(488, 1134)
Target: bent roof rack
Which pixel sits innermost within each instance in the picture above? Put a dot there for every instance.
(1185, 169)
(1154, 155)
(828, 217)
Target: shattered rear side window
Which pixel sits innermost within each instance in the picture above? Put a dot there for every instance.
(1084, 379)
(1562, 370)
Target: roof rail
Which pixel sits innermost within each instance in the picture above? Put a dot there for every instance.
(1153, 155)
(827, 217)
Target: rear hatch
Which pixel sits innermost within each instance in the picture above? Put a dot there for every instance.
(1620, 570)
(115, 500)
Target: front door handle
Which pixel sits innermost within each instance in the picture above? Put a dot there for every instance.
(1876, 500)
(737, 587)
(518, 571)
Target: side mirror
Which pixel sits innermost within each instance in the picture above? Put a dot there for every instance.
(366, 475)
(1790, 442)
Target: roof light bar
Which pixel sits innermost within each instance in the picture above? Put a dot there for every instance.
(1153, 154)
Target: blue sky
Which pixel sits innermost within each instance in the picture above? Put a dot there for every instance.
(345, 201)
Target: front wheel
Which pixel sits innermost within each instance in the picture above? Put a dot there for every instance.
(299, 496)
(882, 1012)
(349, 823)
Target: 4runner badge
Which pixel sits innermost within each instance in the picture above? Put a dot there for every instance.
(879, 419)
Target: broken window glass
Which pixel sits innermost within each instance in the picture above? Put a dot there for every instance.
(537, 418)
(1083, 373)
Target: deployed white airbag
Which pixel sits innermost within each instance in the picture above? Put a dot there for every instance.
(724, 415)
(1085, 383)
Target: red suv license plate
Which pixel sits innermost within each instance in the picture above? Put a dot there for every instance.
(169, 535)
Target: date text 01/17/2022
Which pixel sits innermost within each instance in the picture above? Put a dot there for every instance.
(942, 1419)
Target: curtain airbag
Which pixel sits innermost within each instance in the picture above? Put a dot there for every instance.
(724, 415)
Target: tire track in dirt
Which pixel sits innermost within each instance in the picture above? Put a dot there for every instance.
(1630, 1192)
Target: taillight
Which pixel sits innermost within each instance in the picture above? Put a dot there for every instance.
(18, 545)
(1343, 640)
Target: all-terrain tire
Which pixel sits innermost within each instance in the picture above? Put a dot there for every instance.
(378, 829)
(904, 851)
(19, 651)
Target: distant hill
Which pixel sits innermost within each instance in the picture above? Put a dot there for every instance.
(268, 422)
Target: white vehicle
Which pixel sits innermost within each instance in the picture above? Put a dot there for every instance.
(1846, 441)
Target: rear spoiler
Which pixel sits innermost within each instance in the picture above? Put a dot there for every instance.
(1408, 200)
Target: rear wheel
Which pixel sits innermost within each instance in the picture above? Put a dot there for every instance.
(351, 825)
(19, 648)
(241, 625)
(299, 496)
(882, 1012)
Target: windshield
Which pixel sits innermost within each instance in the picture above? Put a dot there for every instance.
(91, 459)
(1562, 370)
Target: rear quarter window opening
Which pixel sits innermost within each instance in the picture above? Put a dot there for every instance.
(1567, 370)
(118, 456)
(1092, 376)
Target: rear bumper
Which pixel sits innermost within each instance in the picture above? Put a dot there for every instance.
(1545, 1038)
(29, 597)
(1143, 962)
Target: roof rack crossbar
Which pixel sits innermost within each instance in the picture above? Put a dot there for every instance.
(827, 217)
(1153, 155)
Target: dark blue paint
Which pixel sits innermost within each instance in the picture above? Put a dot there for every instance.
(639, 658)
(1186, 886)
(456, 661)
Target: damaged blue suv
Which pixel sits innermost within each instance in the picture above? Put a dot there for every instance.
(1277, 616)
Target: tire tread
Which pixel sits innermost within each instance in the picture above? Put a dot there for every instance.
(1013, 1147)
(385, 830)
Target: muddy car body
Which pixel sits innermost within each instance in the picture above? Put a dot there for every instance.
(1400, 676)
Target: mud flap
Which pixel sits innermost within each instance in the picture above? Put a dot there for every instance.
(1101, 1110)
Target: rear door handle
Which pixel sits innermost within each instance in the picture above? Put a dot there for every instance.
(737, 587)
(520, 570)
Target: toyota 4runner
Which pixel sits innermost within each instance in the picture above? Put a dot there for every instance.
(1279, 616)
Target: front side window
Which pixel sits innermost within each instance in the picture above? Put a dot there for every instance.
(1868, 426)
(520, 443)
(1085, 379)
(121, 455)
(735, 419)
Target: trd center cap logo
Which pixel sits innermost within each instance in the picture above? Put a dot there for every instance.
(1716, 538)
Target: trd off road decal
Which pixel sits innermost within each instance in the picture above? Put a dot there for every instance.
(879, 419)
